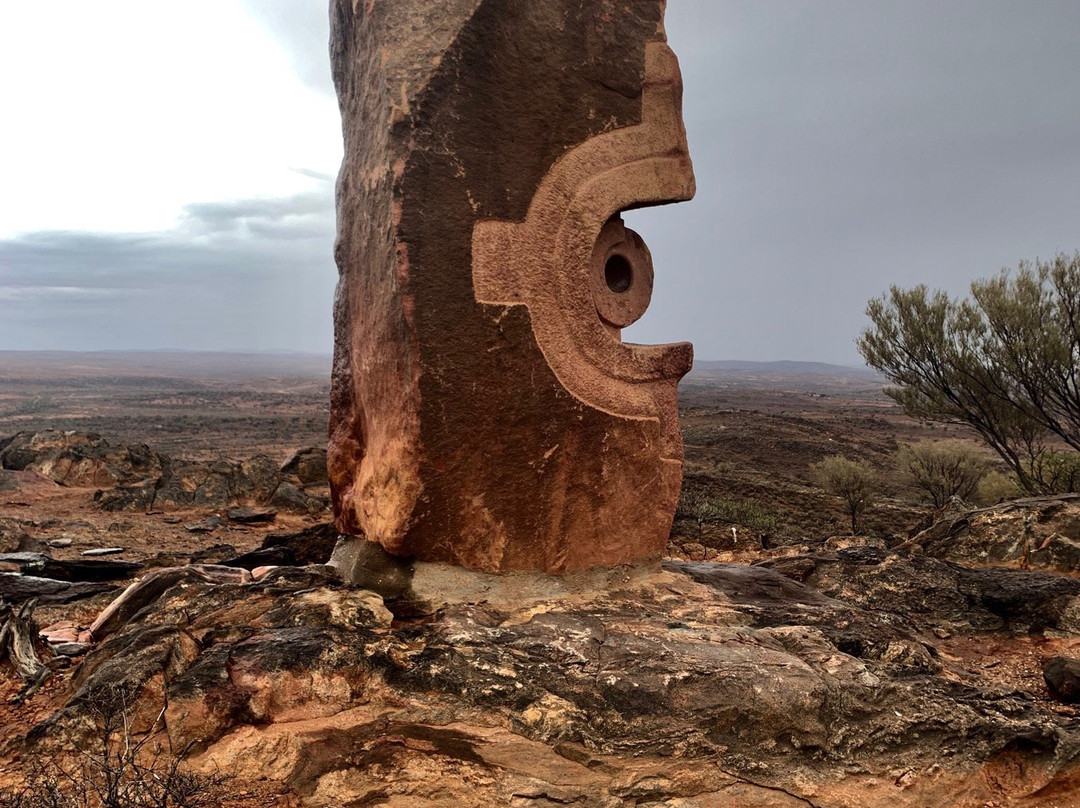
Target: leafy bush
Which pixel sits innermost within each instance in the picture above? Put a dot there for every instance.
(942, 469)
(854, 481)
(1057, 471)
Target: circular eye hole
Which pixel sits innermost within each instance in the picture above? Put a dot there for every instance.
(618, 273)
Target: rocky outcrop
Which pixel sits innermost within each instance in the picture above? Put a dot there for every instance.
(185, 484)
(928, 592)
(702, 684)
(137, 478)
(78, 459)
(1041, 532)
(308, 466)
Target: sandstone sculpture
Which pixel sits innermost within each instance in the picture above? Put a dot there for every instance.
(485, 412)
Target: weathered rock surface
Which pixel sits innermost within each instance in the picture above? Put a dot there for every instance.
(308, 465)
(1041, 532)
(481, 389)
(79, 459)
(929, 592)
(183, 484)
(16, 588)
(64, 570)
(701, 685)
(1062, 675)
(136, 478)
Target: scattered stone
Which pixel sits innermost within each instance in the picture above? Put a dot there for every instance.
(71, 649)
(274, 556)
(693, 550)
(58, 544)
(103, 551)
(288, 497)
(12, 536)
(63, 632)
(1062, 676)
(9, 481)
(208, 525)
(251, 516)
(137, 497)
(45, 566)
(30, 560)
(172, 520)
(28, 544)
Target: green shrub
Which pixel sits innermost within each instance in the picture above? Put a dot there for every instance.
(996, 487)
(854, 481)
(708, 511)
(942, 469)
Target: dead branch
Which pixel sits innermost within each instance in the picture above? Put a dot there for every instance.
(18, 634)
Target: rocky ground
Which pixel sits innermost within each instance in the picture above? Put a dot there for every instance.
(901, 668)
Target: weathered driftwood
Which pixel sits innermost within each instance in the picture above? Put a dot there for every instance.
(18, 631)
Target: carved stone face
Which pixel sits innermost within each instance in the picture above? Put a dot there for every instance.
(485, 411)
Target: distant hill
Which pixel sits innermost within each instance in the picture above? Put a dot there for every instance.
(177, 364)
(819, 378)
(224, 365)
(783, 366)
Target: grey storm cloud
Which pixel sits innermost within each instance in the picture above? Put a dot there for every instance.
(250, 274)
(839, 147)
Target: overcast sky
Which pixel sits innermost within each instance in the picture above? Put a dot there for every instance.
(166, 170)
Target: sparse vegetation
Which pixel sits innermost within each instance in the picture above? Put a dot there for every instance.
(1005, 362)
(942, 469)
(996, 487)
(715, 511)
(122, 770)
(854, 481)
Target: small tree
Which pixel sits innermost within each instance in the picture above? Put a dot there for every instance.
(854, 481)
(1005, 362)
(942, 469)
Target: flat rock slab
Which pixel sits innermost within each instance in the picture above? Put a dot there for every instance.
(71, 649)
(16, 588)
(45, 566)
(251, 516)
(208, 525)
